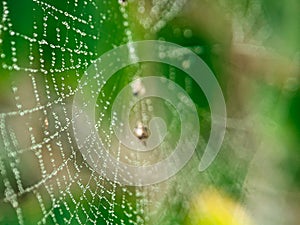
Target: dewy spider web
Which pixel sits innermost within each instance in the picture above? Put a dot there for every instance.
(45, 48)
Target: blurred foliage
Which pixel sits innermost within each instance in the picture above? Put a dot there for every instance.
(221, 33)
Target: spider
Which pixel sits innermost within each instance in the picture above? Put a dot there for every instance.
(141, 131)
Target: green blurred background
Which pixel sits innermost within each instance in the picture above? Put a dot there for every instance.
(253, 48)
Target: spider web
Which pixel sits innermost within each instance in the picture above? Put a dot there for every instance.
(45, 48)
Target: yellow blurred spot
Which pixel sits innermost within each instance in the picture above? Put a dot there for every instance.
(213, 208)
